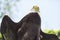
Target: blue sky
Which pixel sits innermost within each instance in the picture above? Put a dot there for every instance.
(49, 12)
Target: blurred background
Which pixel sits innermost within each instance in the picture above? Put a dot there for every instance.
(49, 12)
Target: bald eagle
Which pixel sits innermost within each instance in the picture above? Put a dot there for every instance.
(27, 29)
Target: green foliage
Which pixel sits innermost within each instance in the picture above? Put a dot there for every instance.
(51, 32)
(59, 33)
(0, 36)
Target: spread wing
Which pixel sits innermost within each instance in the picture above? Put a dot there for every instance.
(7, 28)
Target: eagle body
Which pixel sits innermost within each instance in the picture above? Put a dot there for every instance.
(26, 29)
(30, 27)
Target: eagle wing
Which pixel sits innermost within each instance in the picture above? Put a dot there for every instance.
(8, 28)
